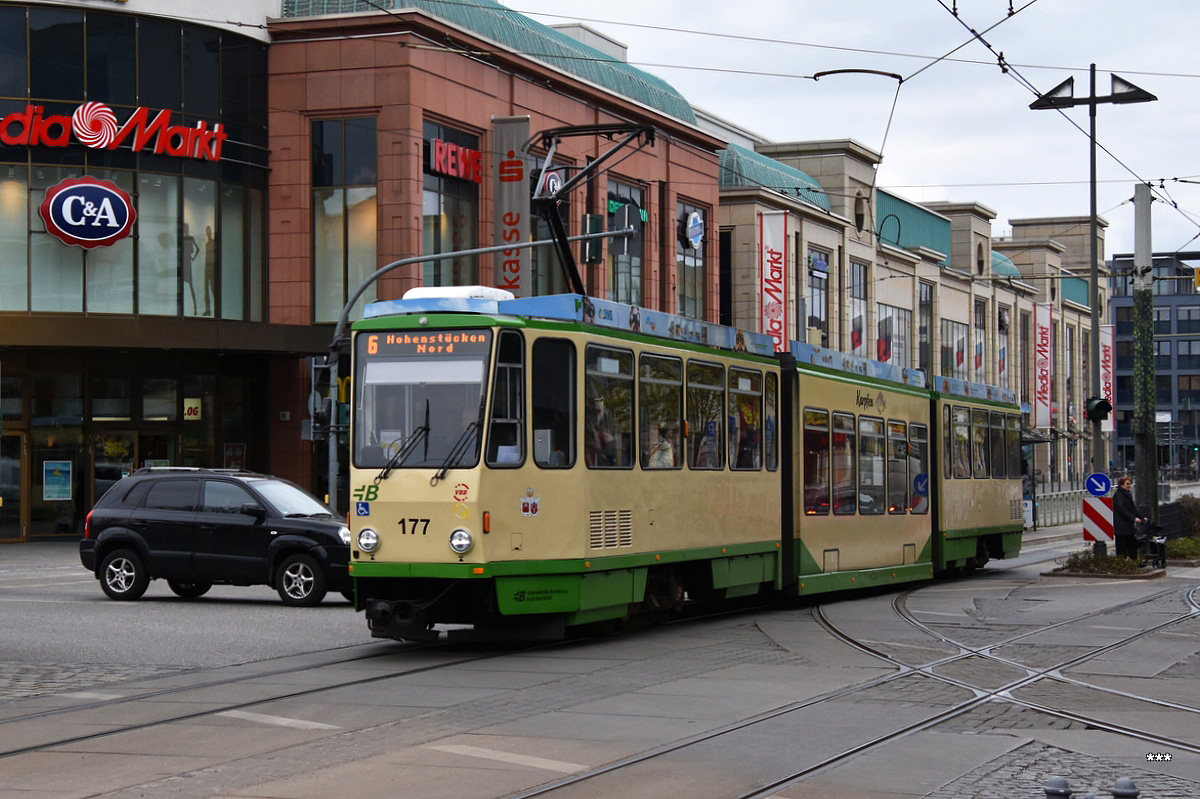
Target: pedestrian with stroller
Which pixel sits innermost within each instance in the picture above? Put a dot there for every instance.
(1126, 518)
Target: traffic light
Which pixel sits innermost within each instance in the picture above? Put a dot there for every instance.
(1098, 409)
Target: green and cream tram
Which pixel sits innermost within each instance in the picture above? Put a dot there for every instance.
(530, 465)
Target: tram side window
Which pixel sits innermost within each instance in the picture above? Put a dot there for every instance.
(553, 407)
(979, 442)
(845, 475)
(506, 439)
(999, 461)
(947, 444)
(660, 405)
(705, 415)
(816, 462)
(871, 447)
(608, 425)
(1015, 459)
(897, 467)
(962, 441)
(771, 422)
(918, 467)
(745, 419)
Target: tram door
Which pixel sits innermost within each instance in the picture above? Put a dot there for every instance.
(12, 520)
(114, 455)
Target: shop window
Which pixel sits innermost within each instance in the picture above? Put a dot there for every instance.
(14, 203)
(660, 401)
(158, 272)
(705, 415)
(160, 399)
(12, 52)
(690, 260)
(344, 214)
(111, 399)
(625, 254)
(55, 54)
(160, 63)
(856, 306)
(12, 393)
(450, 198)
(818, 292)
(111, 72)
(201, 65)
(553, 411)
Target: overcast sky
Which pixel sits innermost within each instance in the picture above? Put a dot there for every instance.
(962, 129)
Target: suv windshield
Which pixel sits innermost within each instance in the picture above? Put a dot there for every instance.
(289, 499)
(426, 385)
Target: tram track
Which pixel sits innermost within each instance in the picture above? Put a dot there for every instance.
(926, 670)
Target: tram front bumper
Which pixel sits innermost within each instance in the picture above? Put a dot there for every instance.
(399, 619)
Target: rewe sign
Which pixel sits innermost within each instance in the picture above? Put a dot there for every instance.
(95, 125)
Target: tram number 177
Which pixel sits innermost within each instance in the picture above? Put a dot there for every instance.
(413, 526)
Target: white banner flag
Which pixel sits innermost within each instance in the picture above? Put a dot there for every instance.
(1108, 350)
(1043, 364)
(773, 277)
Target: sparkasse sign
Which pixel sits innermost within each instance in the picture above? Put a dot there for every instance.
(95, 125)
(86, 212)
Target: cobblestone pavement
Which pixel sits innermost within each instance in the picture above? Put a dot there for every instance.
(1024, 772)
(23, 680)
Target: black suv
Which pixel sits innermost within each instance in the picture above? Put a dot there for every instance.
(196, 527)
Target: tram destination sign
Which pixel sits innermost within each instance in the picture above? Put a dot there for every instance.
(448, 342)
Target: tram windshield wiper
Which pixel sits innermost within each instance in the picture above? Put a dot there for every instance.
(456, 452)
(407, 448)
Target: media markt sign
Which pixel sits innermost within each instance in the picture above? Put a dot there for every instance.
(86, 212)
(95, 125)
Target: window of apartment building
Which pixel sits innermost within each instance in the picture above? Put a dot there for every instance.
(856, 306)
(625, 254)
(894, 342)
(1003, 317)
(450, 203)
(925, 332)
(1124, 355)
(692, 271)
(1189, 390)
(954, 349)
(818, 292)
(1187, 353)
(1162, 354)
(1188, 318)
(1162, 389)
(980, 366)
(1162, 319)
(343, 209)
(1124, 319)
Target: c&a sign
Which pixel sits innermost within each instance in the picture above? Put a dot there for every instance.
(87, 212)
(95, 125)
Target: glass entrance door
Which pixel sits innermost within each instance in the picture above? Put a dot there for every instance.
(12, 521)
(113, 457)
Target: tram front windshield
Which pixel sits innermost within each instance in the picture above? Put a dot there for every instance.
(419, 394)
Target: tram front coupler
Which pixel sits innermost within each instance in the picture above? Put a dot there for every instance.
(399, 619)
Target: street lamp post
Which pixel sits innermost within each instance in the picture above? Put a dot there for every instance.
(1063, 96)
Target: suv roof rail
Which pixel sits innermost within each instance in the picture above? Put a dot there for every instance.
(195, 469)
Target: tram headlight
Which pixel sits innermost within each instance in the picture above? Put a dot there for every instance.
(461, 542)
(344, 534)
(368, 540)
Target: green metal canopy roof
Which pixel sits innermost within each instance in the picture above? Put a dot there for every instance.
(743, 168)
(1003, 265)
(909, 225)
(521, 34)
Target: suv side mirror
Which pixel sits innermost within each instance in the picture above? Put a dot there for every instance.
(251, 509)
